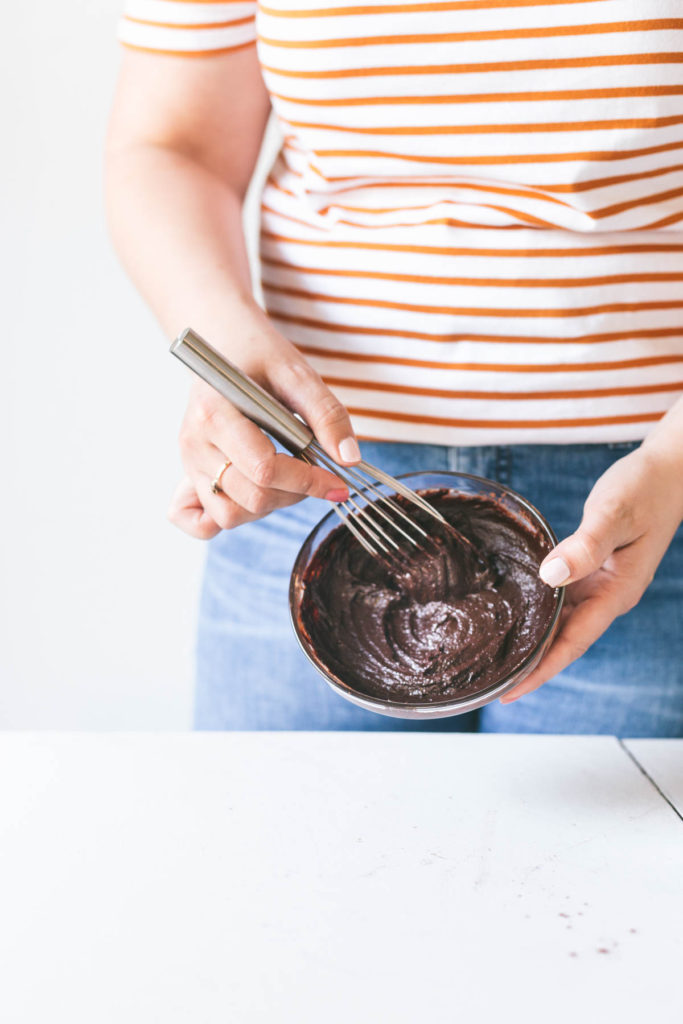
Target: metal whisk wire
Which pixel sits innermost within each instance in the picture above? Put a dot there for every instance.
(365, 521)
(374, 524)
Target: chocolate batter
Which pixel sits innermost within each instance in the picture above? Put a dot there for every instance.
(437, 624)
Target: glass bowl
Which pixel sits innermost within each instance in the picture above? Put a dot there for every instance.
(463, 483)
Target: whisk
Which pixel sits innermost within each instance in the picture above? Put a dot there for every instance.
(380, 524)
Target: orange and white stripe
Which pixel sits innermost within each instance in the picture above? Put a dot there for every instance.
(474, 227)
(190, 27)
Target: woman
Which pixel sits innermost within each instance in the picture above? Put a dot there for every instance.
(471, 259)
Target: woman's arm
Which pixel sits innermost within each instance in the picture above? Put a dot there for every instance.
(665, 442)
(183, 138)
(629, 520)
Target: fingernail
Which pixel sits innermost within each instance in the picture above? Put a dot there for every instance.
(555, 572)
(349, 450)
(337, 494)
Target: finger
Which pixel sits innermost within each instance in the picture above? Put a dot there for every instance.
(298, 385)
(187, 512)
(258, 500)
(225, 512)
(600, 533)
(255, 456)
(227, 508)
(582, 627)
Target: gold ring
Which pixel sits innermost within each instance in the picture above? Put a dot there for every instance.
(216, 482)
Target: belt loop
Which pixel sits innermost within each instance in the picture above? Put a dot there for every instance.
(453, 458)
(503, 464)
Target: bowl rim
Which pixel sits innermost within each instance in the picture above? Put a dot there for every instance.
(423, 709)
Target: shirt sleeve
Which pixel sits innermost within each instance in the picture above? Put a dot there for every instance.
(187, 29)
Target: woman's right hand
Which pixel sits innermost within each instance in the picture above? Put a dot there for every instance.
(259, 479)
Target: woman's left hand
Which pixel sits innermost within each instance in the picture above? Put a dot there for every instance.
(629, 520)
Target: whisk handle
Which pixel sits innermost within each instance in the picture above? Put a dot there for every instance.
(239, 389)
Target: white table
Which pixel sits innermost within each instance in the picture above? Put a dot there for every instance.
(662, 762)
(339, 878)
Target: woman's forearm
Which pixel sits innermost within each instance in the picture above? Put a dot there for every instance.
(665, 442)
(183, 140)
(178, 231)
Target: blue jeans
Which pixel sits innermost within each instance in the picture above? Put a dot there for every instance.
(251, 673)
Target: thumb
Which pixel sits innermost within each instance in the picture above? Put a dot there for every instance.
(583, 552)
(305, 392)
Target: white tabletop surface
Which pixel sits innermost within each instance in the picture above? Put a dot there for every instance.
(336, 878)
(662, 761)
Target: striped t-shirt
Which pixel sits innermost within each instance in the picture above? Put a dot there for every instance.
(474, 226)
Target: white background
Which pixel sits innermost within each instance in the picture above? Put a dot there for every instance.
(98, 593)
